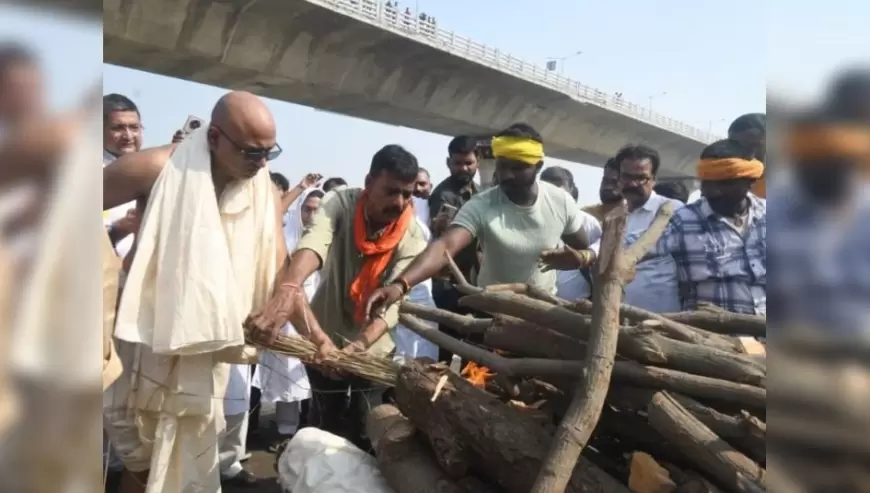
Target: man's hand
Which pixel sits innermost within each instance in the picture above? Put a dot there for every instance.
(268, 320)
(440, 222)
(128, 224)
(565, 259)
(309, 180)
(177, 137)
(382, 299)
(325, 351)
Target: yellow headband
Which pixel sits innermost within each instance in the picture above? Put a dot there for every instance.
(829, 140)
(518, 149)
(729, 169)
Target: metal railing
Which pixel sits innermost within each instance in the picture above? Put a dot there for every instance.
(428, 32)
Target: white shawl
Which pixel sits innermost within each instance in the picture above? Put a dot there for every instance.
(200, 267)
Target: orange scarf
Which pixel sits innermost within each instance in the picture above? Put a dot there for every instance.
(377, 254)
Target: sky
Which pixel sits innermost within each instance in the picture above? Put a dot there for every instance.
(703, 62)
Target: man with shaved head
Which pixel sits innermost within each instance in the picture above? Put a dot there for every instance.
(240, 139)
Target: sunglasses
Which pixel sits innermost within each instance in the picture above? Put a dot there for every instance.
(253, 154)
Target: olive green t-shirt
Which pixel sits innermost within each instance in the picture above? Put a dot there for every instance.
(512, 237)
(331, 238)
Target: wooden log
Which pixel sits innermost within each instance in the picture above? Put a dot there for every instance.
(614, 269)
(463, 324)
(700, 445)
(740, 431)
(646, 345)
(407, 465)
(469, 429)
(627, 372)
(724, 323)
(671, 328)
(527, 339)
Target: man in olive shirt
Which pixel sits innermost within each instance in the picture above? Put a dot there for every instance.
(446, 199)
(360, 240)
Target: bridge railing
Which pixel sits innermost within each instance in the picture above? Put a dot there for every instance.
(427, 31)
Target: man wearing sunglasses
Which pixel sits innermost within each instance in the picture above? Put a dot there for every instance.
(239, 141)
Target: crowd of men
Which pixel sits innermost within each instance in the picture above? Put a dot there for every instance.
(211, 243)
(348, 255)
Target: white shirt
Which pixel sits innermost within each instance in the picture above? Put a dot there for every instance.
(654, 287)
(572, 285)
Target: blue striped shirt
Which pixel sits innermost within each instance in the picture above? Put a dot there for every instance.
(718, 263)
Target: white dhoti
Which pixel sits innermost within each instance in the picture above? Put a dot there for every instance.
(202, 264)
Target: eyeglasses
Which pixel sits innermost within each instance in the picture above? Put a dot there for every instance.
(639, 179)
(252, 154)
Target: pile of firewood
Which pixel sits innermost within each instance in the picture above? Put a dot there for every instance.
(593, 397)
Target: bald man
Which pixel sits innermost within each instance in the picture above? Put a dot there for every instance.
(241, 139)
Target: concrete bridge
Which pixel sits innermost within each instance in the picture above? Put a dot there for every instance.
(362, 59)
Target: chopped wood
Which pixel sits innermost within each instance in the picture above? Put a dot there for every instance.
(628, 372)
(740, 431)
(469, 429)
(705, 449)
(406, 463)
(723, 322)
(614, 270)
(463, 324)
(671, 328)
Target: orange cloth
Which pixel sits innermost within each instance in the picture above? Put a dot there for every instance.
(729, 169)
(377, 254)
(759, 188)
(829, 140)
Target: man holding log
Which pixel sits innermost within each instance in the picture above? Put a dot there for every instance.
(519, 224)
(719, 242)
(359, 240)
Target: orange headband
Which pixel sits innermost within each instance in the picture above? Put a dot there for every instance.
(729, 169)
(828, 140)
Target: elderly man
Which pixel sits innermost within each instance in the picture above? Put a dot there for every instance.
(719, 242)
(211, 240)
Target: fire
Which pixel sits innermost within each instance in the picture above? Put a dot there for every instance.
(477, 375)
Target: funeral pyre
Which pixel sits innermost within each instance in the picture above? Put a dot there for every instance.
(591, 397)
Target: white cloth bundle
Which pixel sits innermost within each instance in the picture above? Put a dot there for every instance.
(200, 266)
(316, 461)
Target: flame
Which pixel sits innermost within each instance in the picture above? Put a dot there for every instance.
(477, 375)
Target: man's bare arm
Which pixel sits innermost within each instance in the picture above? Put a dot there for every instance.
(130, 177)
(430, 262)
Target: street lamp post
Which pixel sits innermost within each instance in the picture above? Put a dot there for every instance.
(651, 97)
(561, 61)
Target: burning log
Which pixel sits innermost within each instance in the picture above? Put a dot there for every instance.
(628, 372)
(471, 430)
